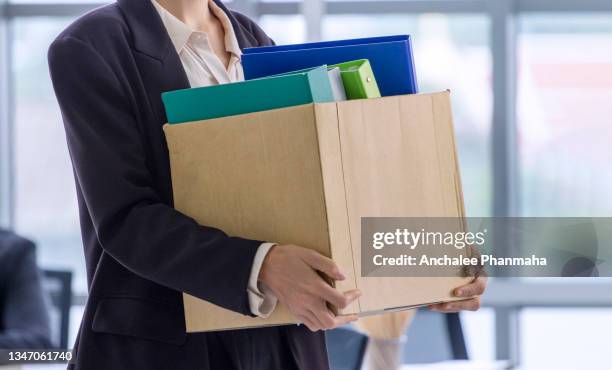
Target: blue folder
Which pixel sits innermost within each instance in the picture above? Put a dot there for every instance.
(390, 56)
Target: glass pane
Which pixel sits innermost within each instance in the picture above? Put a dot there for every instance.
(451, 52)
(46, 207)
(479, 332)
(581, 335)
(284, 29)
(564, 110)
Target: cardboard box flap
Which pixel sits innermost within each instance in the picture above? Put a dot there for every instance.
(335, 197)
(220, 166)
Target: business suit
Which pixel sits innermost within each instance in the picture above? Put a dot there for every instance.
(24, 322)
(108, 70)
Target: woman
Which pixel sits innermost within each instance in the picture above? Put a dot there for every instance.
(108, 70)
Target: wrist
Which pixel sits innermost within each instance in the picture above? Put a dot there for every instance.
(265, 266)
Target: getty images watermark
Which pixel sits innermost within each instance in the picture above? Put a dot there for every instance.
(520, 247)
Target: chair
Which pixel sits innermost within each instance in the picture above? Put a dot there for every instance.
(431, 337)
(58, 284)
(345, 348)
(434, 337)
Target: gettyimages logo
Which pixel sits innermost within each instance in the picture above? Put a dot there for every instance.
(504, 247)
(413, 240)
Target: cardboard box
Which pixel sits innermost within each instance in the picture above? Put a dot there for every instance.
(306, 175)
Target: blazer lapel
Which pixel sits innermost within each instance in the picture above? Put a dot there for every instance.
(150, 36)
(159, 65)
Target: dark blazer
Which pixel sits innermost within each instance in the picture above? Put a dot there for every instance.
(24, 322)
(108, 70)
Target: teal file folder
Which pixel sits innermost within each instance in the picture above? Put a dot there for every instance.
(258, 95)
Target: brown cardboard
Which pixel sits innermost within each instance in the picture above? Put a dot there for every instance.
(306, 175)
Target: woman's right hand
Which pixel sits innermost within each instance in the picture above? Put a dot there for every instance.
(292, 273)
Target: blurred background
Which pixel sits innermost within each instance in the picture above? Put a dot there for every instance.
(531, 83)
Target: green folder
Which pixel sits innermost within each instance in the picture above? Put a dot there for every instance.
(359, 80)
(357, 77)
(258, 95)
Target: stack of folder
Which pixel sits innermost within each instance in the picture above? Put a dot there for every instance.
(291, 75)
(354, 79)
(390, 56)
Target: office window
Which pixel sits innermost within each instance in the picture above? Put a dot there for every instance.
(564, 90)
(451, 52)
(45, 204)
(284, 29)
(479, 333)
(564, 110)
(565, 339)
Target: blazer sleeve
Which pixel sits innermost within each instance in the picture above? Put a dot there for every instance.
(24, 318)
(132, 223)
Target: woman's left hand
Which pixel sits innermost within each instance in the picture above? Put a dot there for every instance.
(474, 289)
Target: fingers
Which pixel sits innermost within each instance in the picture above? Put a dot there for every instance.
(325, 317)
(467, 305)
(319, 317)
(326, 320)
(475, 288)
(350, 297)
(477, 270)
(326, 265)
(474, 271)
(320, 320)
(331, 295)
(345, 319)
(308, 319)
(337, 299)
